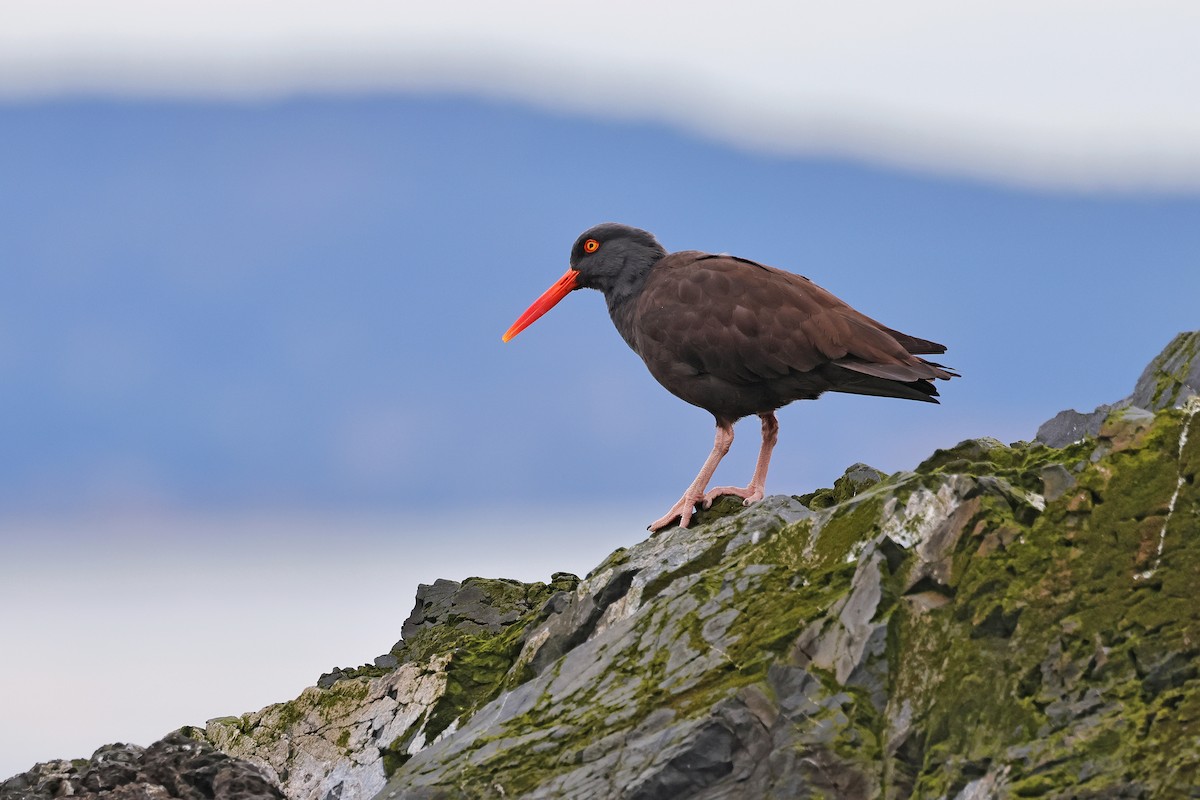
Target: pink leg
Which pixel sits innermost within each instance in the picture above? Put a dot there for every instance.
(695, 493)
(753, 492)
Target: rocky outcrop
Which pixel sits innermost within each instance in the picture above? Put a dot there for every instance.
(1003, 621)
(1167, 382)
(343, 737)
(1000, 622)
(179, 766)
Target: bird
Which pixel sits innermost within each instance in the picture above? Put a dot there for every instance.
(736, 338)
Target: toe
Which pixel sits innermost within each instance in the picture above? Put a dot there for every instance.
(681, 511)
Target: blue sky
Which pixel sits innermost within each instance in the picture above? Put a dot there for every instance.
(299, 302)
(254, 387)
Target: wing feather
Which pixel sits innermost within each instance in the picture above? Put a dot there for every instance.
(744, 322)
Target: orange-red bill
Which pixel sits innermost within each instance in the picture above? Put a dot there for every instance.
(561, 288)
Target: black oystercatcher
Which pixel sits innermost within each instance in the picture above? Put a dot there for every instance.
(736, 338)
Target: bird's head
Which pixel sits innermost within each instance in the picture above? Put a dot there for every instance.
(609, 257)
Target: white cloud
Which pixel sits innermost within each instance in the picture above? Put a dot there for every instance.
(1058, 92)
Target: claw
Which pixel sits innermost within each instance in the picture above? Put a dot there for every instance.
(695, 494)
(682, 511)
(751, 494)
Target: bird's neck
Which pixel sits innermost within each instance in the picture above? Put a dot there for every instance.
(621, 293)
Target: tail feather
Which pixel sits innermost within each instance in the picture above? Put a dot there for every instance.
(914, 344)
(850, 381)
(918, 370)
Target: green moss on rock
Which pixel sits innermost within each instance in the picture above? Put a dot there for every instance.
(1044, 646)
(856, 479)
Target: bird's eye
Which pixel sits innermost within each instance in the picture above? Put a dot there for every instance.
(591, 246)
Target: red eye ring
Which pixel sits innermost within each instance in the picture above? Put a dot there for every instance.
(591, 246)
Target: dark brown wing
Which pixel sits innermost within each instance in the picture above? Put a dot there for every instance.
(744, 322)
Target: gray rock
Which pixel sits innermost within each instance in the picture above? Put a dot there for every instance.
(332, 741)
(862, 476)
(1068, 427)
(477, 605)
(1056, 481)
(434, 604)
(572, 623)
(178, 766)
(839, 642)
(855, 480)
(1172, 377)
(1167, 382)
(330, 678)
(697, 763)
(992, 786)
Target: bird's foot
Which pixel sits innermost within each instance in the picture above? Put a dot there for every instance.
(681, 511)
(751, 494)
